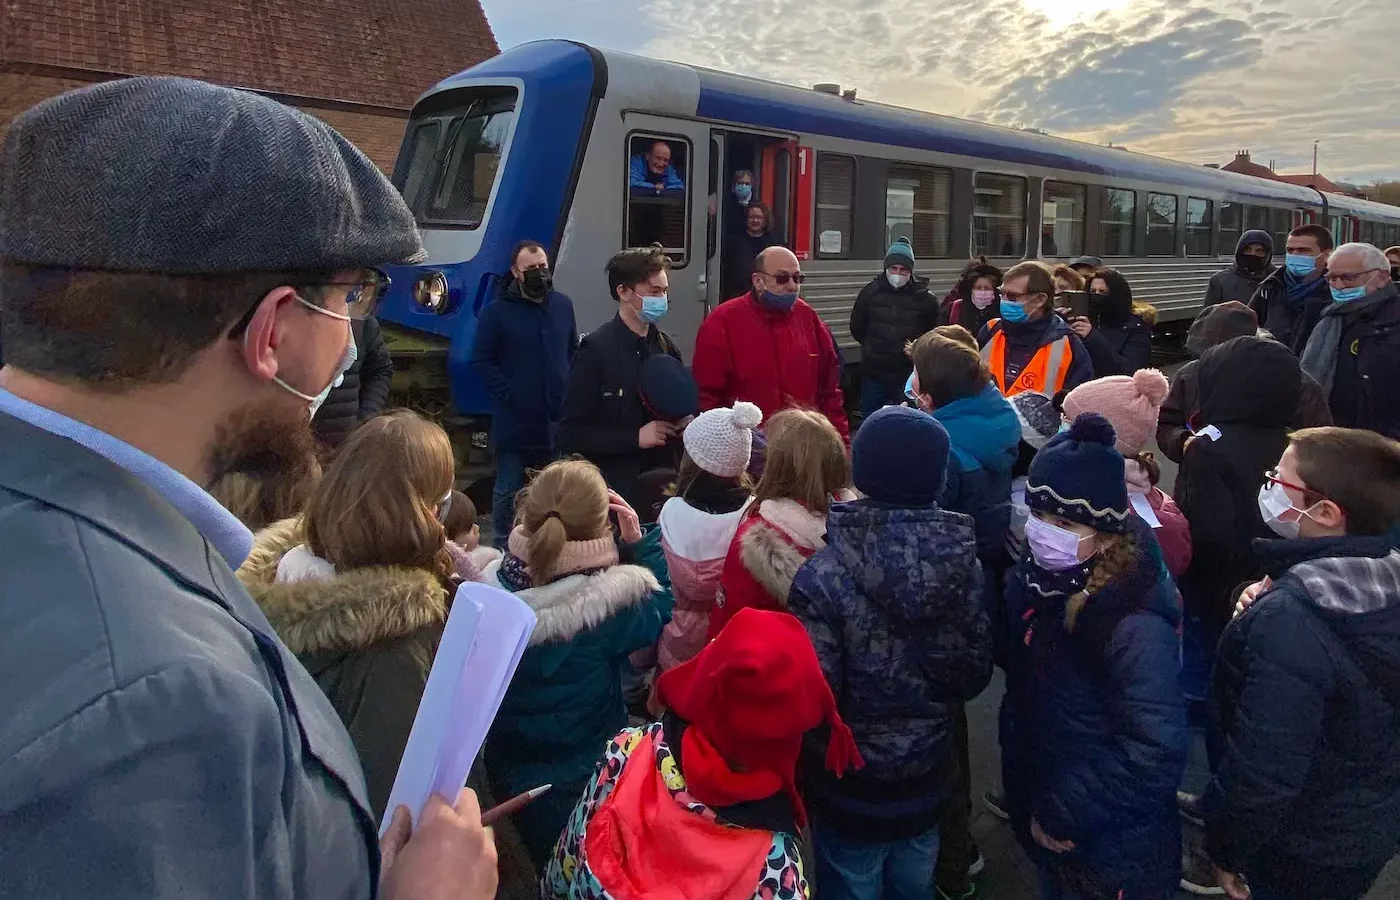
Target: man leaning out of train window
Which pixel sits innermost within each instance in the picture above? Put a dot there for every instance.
(1030, 347)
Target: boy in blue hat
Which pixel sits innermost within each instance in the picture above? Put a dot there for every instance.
(893, 607)
(1093, 725)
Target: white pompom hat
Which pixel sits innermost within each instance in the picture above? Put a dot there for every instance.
(720, 441)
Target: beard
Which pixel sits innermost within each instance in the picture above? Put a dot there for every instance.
(264, 440)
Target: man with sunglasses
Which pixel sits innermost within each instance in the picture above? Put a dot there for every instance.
(177, 297)
(1354, 351)
(770, 348)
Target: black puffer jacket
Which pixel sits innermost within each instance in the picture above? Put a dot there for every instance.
(1249, 393)
(1305, 793)
(884, 319)
(364, 391)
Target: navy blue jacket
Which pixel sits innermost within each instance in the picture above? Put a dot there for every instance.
(522, 354)
(1363, 386)
(984, 436)
(893, 607)
(1093, 731)
(1023, 339)
(1305, 793)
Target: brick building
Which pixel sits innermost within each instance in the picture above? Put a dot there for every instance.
(357, 64)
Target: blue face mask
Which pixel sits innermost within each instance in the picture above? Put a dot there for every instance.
(743, 192)
(654, 309)
(780, 302)
(1013, 312)
(1346, 295)
(1300, 264)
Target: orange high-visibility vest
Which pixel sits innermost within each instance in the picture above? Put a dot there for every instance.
(1044, 374)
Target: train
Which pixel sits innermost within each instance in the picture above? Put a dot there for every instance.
(536, 143)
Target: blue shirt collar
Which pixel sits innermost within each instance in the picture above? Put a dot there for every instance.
(219, 527)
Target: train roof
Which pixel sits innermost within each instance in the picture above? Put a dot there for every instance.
(742, 99)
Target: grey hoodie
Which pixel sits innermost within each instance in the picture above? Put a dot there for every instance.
(1238, 282)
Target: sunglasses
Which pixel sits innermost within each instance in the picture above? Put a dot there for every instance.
(785, 277)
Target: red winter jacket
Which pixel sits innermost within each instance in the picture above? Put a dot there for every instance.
(773, 359)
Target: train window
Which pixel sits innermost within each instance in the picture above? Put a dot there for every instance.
(836, 190)
(658, 179)
(420, 161)
(1281, 222)
(1198, 226)
(1231, 224)
(1161, 225)
(468, 163)
(999, 219)
(1256, 218)
(918, 202)
(1117, 235)
(1062, 219)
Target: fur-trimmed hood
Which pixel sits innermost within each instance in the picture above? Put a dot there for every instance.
(577, 603)
(351, 611)
(776, 544)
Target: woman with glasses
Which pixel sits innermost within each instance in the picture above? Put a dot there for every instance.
(1029, 347)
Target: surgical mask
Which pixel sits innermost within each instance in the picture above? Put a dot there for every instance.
(743, 192)
(1346, 295)
(1273, 503)
(654, 308)
(1054, 548)
(896, 281)
(347, 359)
(1014, 312)
(1300, 263)
(983, 298)
(536, 284)
(780, 302)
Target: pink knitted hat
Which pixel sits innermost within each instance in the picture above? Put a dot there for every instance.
(1129, 402)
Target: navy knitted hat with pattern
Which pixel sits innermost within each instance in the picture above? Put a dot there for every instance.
(1079, 476)
(900, 457)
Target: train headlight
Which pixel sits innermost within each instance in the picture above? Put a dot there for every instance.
(431, 292)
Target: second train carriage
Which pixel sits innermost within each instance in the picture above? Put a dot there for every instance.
(537, 143)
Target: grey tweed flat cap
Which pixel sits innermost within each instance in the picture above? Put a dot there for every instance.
(178, 176)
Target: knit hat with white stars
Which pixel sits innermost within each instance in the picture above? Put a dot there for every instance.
(1079, 476)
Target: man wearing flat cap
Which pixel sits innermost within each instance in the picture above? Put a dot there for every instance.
(179, 268)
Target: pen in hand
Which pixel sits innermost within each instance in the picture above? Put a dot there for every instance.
(513, 805)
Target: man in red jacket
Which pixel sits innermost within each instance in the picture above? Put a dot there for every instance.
(769, 347)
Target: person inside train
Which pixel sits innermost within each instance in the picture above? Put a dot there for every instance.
(1254, 261)
(1290, 301)
(1067, 280)
(1118, 339)
(605, 419)
(1216, 325)
(1354, 352)
(1030, 348)
(1392, 254)
(652, 170)
(742, 247)
(976, 297)
(735, 356)
(892, 310)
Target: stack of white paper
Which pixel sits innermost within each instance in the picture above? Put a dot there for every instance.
(487, 631)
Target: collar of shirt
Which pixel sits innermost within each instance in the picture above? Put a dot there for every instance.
(219, 527)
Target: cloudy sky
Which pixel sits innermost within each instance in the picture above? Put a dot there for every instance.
(1194, 80)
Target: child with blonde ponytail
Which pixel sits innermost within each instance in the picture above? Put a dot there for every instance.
(1093, 728)
(594, 608)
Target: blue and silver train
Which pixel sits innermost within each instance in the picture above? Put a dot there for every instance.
(536, 143)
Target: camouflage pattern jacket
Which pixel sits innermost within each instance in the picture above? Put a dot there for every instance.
(893, 607)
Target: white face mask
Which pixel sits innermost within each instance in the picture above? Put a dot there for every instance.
(896, 281)
(347, 360)
(1273, 503)
(1054, 548)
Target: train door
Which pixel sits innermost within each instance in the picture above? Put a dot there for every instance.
(669, 196)
(768, 163)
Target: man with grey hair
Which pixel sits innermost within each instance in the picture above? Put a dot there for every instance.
(1354, 352)
(180, 265)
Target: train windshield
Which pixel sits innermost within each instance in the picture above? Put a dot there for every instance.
(453, 156)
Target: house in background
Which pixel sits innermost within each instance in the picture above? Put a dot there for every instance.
(1243, 165)
(356, 64)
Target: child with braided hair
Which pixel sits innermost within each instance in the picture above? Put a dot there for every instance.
(1093, 729)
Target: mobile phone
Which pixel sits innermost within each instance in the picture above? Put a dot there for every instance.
(1077, 301)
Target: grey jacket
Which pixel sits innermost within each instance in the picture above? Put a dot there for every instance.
(156, 739)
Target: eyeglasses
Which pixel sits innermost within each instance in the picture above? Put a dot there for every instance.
(1351, 279)
(785, 277)
(1018, 298)
(1272, 475)
(362, 300)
